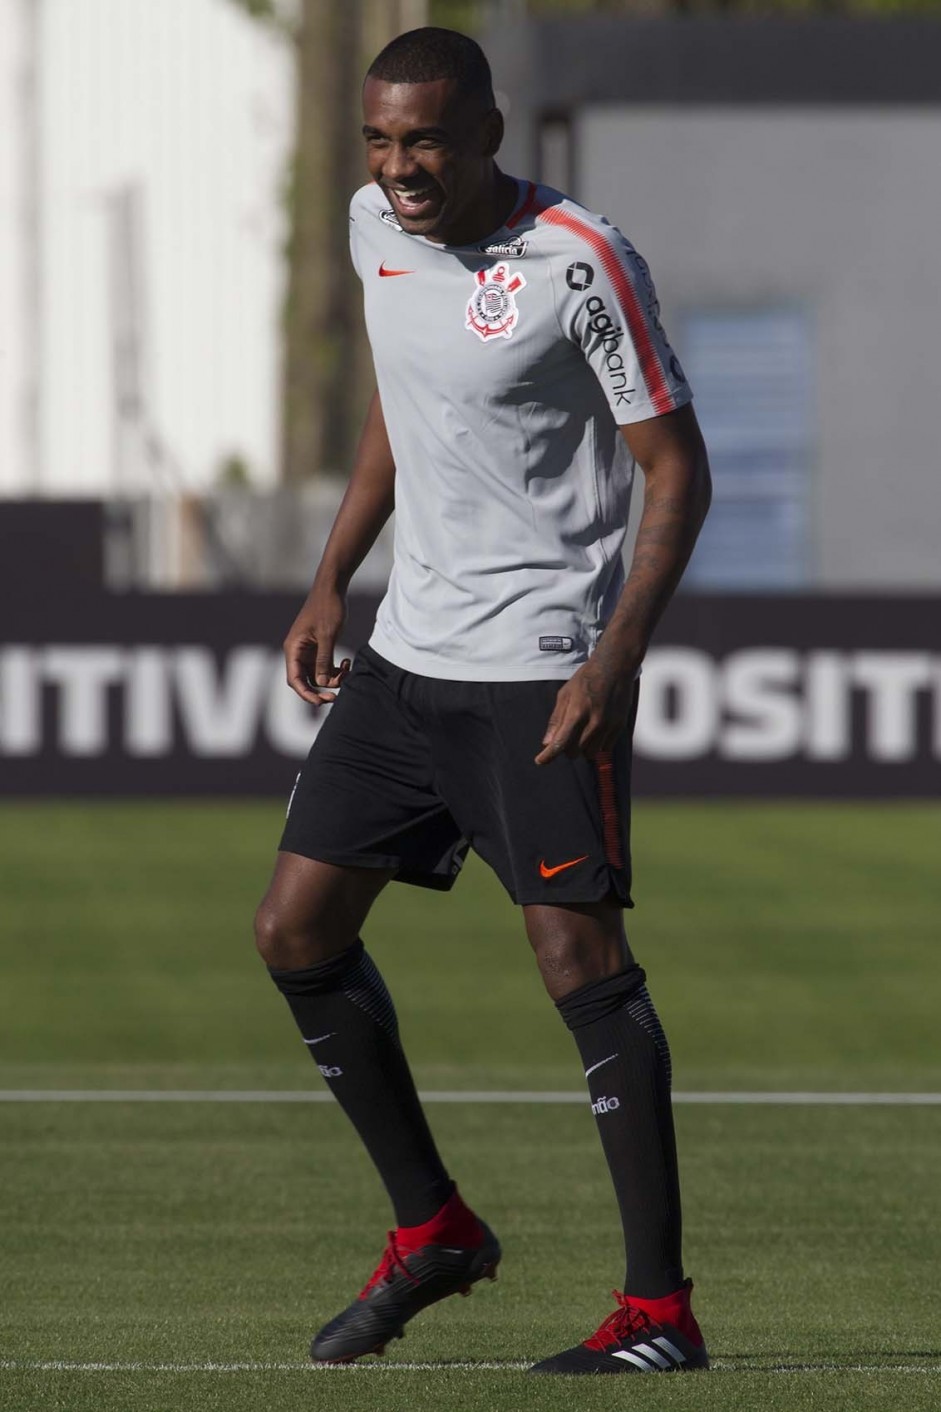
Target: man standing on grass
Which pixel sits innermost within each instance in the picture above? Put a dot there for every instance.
(522, 373)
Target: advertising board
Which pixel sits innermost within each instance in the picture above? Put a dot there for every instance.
(148, 694)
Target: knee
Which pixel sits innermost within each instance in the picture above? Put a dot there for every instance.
(567, 964)
(573, 950)
(270, 937)
(312, 911)
(289, 942)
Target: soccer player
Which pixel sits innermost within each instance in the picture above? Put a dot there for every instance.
(522, 373)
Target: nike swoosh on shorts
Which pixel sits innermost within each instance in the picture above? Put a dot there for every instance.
(545, 872)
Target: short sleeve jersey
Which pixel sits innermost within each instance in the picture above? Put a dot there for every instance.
(505, 369)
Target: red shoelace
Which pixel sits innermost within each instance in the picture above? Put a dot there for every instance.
(624, 1321)
(391, 1261)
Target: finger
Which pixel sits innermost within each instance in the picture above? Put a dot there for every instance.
(301, 670)
(309, 692)
(608, 739)
(552, 729)
(320, 646)
(325, 698)
(599, 738)
(325, 672)
(332, 681)
(551, 732)
(314, 696)
(591, 745)
(299, 682)
(556, 740)
(557, 716)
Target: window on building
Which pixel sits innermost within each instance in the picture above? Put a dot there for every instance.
(751, 371)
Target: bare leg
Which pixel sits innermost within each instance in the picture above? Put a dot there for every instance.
(312, 911)
(577, 944)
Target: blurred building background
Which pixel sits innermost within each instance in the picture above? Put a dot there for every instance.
(183, 368)
(180, 328)
(783, 177)
(145, 147)
(153, 187)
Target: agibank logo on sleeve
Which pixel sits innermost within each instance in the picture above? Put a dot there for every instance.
(608, 336)
(492, 311)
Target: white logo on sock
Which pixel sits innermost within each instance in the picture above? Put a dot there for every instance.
(320, 1037)
(599, 1064)
(606, 1105)
(328, 1072)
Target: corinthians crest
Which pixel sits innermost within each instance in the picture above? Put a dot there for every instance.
(492, 311)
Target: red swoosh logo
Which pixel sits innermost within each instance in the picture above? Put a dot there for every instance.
(386, 273)
(545, 872)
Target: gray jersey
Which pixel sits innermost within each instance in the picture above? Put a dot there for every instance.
(505, 369)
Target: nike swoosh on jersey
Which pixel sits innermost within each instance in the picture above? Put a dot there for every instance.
(386, 273)
(545, 872)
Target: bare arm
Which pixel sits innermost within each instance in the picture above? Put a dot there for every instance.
(592, 707)
(365, 508)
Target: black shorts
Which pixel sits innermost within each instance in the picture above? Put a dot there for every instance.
(408, 771)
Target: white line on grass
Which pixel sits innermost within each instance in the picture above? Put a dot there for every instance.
(225, 1095)
(13, 1365)
(62, 1366)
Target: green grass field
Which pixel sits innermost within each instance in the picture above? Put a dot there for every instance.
(788, 947)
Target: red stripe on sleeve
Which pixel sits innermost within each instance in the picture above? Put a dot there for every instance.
(650, 363)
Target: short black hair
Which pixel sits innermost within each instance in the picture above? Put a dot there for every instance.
(423, 55)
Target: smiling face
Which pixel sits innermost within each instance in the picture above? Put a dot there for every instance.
(431, 149)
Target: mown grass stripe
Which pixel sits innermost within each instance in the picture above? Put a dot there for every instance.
(13, 1365)
(758, 1097)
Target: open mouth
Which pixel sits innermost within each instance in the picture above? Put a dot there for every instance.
(416, 205)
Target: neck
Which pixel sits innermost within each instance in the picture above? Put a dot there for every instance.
(488, 213)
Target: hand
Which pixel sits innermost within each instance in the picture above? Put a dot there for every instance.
(592, 708)
(308, 647)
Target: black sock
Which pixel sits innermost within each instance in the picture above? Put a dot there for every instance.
(627, 1064)
(347, 1020)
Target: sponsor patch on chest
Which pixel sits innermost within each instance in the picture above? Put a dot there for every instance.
(510, 249)
(491, 309)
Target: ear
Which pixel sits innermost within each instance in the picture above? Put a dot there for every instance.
(492, 132)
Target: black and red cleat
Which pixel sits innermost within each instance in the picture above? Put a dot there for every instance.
(641, 1336)
(421, 1265)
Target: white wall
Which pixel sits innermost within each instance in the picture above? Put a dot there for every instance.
(191, 102)
(14, 350)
